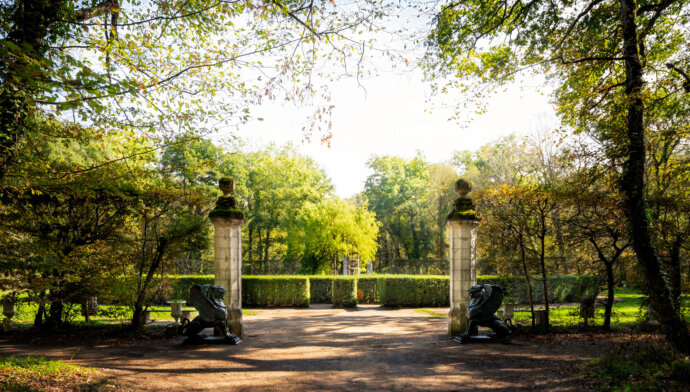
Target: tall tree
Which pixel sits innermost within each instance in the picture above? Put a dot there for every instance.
(600, 50)
(160, 67)
(397, 192)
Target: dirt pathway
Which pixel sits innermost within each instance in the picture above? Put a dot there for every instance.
(333, 349)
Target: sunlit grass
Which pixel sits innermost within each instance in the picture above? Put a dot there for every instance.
(434, 314)
(39, 374)
(25, 313)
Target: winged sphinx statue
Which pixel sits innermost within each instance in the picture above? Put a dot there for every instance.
(208, 301)
(486, 299)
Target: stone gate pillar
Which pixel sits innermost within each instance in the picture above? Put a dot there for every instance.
(227, 222)
(463, 222)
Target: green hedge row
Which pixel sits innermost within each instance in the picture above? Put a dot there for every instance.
(415, 291)
(269, 291)
(389, 290)
(344, 293)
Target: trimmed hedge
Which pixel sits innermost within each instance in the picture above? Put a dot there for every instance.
(389, 290)
(268, 291)
(320, 289)
(321, 286)
(344, 293)
(368, 290)
(414, 291)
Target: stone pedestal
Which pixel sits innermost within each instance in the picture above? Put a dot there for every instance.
(227, 256)
(463, 271)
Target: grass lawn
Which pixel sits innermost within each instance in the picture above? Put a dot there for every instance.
(107, 314)
(625, 313)
(39, 374)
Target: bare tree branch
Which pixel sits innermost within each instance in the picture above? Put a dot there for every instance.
(686, 85)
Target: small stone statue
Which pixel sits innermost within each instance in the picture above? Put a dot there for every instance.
(208, 300)
(486, 299)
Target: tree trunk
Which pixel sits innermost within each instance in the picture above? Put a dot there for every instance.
(137, 316)
(543, 279)
(267, 244)
(674, 274)
(610, 286)
(29, 24)
(54, 319)
(632, 187)
(527, 279)
(250, 245)
(558, 229)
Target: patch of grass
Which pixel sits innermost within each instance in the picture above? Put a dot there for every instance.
(625, 313)
(434, 314)
(641, 366)
(27, 374)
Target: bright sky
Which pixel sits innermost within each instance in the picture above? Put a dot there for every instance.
(390, 119)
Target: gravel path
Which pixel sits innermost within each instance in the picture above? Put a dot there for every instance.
(320, 348)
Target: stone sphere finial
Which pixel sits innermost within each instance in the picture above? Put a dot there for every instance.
(463, 187)
(227, 185)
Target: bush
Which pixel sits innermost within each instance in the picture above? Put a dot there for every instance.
(401, 290)
(368, 290)
(320, 289)
(414, 291)
(562, 288)
(180, 284)
(344, 293)
(268, 291)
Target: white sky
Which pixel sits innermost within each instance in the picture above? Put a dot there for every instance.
(390, 119)
(392, 116)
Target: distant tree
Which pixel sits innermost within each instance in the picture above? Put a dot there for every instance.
(275, 184)
(397, 190)
(441, 197)
(331, 229)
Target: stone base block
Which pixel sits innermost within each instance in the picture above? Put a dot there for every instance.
(235, 322)
(203, 339)
(457, 320)
(480, 339)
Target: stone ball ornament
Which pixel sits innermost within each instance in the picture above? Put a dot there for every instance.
(463, 187)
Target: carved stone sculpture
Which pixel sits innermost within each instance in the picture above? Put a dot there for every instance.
(208, 300)
(486, 299)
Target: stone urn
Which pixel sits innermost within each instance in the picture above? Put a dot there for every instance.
(508, 310)
(462, 187)
(8, 312)
(176, 309)
(8, 307)
(227, 186)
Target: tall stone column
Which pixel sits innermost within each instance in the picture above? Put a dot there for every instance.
(227, 222)
(463, 222)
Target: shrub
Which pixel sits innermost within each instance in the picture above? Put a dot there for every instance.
(562, 288)
(414, 291)
(180, 284)
(260, 291)
(344, 293)
(401, 290)
(320, 289)
(368, 290)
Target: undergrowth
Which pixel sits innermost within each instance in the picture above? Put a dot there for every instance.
(27, 374)
(641, 366)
